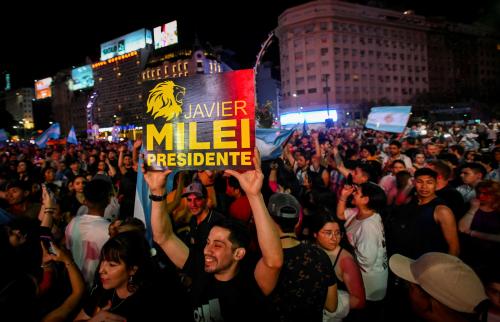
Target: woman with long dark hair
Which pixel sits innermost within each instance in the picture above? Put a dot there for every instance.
(126, 285)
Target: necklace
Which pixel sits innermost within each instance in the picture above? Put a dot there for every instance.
(111, 309)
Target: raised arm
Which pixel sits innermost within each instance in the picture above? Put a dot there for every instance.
(161, 225)
(63, 312)
(122, 168)
(268, 268)
(341, 204)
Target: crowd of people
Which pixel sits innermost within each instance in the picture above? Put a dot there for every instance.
(348, 224)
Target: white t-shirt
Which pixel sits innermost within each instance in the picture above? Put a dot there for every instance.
(367, 238)
(85, 236)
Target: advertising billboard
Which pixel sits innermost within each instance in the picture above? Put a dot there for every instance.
(165, 35)
(42, 88)
(125, 44)
(81, 77)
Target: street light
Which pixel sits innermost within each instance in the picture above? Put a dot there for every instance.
(295, 99)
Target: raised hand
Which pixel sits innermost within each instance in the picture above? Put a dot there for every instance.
(251, 180)
(156, 180)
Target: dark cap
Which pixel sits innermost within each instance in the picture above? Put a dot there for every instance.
(23, 185)
(195, 188)
(283, 205)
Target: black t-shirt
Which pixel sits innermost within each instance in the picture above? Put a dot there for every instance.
(148, 303)
(239, 299)
(305, 277)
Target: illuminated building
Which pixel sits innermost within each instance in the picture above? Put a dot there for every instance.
(345, 56)
(19, 103)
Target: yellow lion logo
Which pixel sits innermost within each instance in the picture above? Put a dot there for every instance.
(165, 100)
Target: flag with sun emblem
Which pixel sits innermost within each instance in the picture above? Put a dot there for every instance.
(388, 118)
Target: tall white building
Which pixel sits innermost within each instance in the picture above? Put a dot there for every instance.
(342, 54)
(19, 103)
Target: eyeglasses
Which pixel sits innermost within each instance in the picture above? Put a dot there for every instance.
(330, 234)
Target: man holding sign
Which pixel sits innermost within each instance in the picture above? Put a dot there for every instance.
(226, 288)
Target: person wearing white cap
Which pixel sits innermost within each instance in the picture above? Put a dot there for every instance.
(442, 287)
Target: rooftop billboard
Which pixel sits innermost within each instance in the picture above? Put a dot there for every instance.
(125, 44)
(81, 77)
(42, 88)
(165, 35)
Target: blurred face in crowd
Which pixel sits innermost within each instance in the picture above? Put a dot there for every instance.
(397, 167)
(102, 156)
(92, 159)
(486, 196)
(470, 177)
(316, 161)
(364, 154)
(111, 155)
(359, 177)
(49, 175)
(425, 186)
(329, 236)
(196, 205)
(220, 253)
(127, 161)
(21, 167)
(101, 166)
(79, 184)
(56, 156)
(432, 150)
(301, 161)
(420, 159)
(115, 275)
(16, 195)
(75, 166)
(394, 150)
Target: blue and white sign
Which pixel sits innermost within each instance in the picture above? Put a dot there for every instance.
(126, 44)
(81, 77)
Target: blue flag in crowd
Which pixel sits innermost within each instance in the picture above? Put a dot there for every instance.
(3, 135)
(388, 118)
(72, 136)
(53, 132)
(270, 142)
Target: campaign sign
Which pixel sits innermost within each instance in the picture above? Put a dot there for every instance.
(200, 122)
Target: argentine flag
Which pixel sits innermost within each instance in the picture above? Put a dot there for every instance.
(53, 132)
(270, 142)
(72, 136)
(388, 118)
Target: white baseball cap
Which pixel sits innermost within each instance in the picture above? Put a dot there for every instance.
(445, 277)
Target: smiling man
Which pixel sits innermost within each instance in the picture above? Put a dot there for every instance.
(226, 287)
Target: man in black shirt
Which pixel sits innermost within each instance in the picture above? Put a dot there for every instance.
(224, 289)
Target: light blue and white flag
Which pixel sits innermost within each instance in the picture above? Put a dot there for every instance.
(270, 142)
(142, 205)
(72, 136)
(388, 118)
(3, 135)
(53, 132)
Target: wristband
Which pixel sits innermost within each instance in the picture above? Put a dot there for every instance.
(158, 198)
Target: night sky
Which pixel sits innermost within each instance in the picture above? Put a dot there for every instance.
(38, 39)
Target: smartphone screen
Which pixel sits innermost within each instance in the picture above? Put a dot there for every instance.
(47, 243)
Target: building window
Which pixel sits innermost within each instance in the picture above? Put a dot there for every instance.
(324, 51)
(300, 92)
(311, 90)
